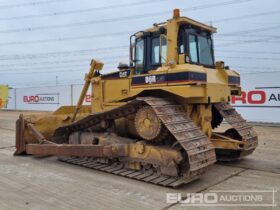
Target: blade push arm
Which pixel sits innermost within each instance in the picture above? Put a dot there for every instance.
(95, 66)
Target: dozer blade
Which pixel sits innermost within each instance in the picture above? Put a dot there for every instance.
(46, 124)
(237, 142)
(45, 147)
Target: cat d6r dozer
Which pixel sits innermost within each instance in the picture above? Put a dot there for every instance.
(152, 120)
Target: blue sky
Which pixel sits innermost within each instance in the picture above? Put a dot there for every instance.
(41, 40)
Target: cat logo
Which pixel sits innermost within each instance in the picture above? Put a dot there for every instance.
(150, 79)
(123, 74)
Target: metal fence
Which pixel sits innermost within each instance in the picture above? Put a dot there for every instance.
(259, 102)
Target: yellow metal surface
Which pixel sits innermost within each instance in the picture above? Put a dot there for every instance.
(68, 110)
(222, 142)
(4, 96)
(95, 67)
(141, 151)
(172, 43)
(115, 89)
(47, 123)
(147, 123)
(166, 158)
(184, 20)
(225, 144)
(216, 87)
(97, 95)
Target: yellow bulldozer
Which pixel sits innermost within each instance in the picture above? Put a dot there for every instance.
(151, 120)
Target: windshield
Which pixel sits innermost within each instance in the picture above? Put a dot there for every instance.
(200, 50)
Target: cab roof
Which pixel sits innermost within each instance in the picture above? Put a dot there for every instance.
(183, 21)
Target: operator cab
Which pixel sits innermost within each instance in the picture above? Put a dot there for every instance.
(194, 44)
(147, 52)
(197, 46)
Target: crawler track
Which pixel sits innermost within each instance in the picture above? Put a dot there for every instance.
(245, 132)
(200, 152)
(118, 169)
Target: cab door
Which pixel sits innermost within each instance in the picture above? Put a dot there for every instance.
(148, 59)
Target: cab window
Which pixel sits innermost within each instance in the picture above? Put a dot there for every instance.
(181, 42)
(200, 50)
(155, 51)
(139, 56)
(163, 50)
(156, 59)
(205, 50)
(193, 49)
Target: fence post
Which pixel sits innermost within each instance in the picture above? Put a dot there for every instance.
(15, 96)
(72, 100)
